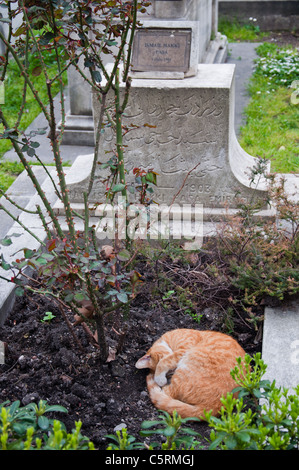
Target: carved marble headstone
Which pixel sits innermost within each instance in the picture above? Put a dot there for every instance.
(186, 134)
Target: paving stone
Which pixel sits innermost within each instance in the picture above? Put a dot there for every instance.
(281, 344)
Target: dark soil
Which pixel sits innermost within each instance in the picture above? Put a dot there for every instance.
(283, 38)
(43, 361)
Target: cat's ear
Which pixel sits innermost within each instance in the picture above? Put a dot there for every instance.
(144, 362)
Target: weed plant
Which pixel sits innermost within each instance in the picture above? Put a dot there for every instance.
(252, 262)
(237, 31)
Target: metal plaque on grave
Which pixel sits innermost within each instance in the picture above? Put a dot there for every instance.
(164, 50)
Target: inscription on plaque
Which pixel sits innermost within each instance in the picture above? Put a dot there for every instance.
(162, 50)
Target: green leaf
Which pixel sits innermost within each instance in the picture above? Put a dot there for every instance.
(169, 431)
(31, 152)
(97, 75)
(20, 428)
(122, 297)
(124, 255)
(41, 261)
(69, 297)
(43, 422)
(189, 431)
(216, 442)
(231, 442)
(60, 408)
(19, 291)
(118, 187)
(35, 144)
(6, 241)
(14, 407)
(4, 265)
(243, 435)
(28, 253)
(149, 424)
(79, 296)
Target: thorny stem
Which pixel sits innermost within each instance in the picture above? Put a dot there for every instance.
(98, 317)
(24, 96)
(130, 43)
(9, 35)
(119, 136)
(70, 326)
(60, 171)
(23, 209)
(97, 142)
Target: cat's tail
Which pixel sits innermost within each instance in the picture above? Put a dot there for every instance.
(162, 401)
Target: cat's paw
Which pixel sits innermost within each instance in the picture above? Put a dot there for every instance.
(161, 379)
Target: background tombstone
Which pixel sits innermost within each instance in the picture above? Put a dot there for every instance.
(79, 128)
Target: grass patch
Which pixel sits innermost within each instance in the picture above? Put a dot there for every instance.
(13, 87)
(8, 173)
(272, 115)
(236, 31)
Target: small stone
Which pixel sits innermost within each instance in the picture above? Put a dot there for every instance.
(30, 397)
(120, 426)
(117, 370)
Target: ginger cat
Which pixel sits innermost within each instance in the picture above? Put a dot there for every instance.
(199, 363)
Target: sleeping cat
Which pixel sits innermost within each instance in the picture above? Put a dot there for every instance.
(199, 363)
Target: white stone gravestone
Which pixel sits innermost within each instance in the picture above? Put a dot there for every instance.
(183, 130)
(78, 127)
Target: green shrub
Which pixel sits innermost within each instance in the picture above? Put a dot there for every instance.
(270, 423)
(236, 30)
(27, 428)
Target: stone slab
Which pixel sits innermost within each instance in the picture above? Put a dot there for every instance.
(281, 344)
